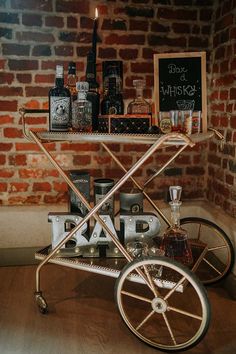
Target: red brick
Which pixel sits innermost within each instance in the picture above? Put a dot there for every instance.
(106, 53)
(16, 200)
(33, 199)
(2, 63)
(17, 160)
(138, 25)
(32, 19)
(229, 179)
(233, 122)
(12, 133)
(42, 187)
(142, 67)
(125, 39)
(37, 173)
(11, 91)
(82, 160)
(224, 94)
(3, 187)
(8, 106)
(6, 78)
(35, 36)
(58, 199)
(79, 147)
(36, 120)
(36, 91)
(63, 50)
(6, 119)
(128, 53)
(32, 104)
(54, 21)
(2, 159)
(18, 187)
(22, 65)
(72, 22)
(60, 186)
(40, 5)
(6, 146)
(24, 78)
(6, 173)
(79, 6)
(42, 78)
(233, 93)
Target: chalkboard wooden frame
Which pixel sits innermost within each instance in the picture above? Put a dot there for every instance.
(164, 58)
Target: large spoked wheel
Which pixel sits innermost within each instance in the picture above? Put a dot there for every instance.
(219, 257)
(170, 312)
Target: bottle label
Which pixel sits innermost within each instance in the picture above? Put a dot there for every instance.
(60, 113)
(107, 207)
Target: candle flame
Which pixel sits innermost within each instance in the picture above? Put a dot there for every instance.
(96, 13)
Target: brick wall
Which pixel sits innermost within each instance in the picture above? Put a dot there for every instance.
(36, 35)
(222, 164)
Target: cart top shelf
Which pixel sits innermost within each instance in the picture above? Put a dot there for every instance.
(168, 139)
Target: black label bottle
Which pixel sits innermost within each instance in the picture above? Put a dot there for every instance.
(113, 101)
(59, 104)
(93, 95)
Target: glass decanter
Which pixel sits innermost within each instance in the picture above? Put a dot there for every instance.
(139, 105)
(82, 109)
(175, 240)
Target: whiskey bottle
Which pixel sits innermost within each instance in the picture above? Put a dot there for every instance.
(113, 101)
(139, 105)
(59, 103)
(175, 240)
(71, 80)
(82, 110)
(93, 95)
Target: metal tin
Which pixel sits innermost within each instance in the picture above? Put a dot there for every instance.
(101, 187)
(131, 202)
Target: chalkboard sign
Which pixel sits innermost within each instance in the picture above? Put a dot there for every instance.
(180, 82)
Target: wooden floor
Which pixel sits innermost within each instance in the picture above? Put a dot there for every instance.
(83, 317)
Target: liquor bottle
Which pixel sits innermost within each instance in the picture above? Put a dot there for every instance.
(112, 68)
(71, 80)
(175, 240)
(113, 101)
(82, 109)
(59, 103)
(139, 105)
(93, 95)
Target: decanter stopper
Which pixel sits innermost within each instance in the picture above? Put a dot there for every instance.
(175, 193)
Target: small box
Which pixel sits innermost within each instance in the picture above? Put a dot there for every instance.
(122, 124)
(81, 180)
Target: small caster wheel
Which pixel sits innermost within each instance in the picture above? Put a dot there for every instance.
(41, 302)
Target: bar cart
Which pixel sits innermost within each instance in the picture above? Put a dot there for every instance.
(170, 311)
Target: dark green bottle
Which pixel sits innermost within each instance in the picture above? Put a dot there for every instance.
(113, 101)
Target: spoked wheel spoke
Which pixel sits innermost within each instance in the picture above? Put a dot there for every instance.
(185, 313)
(219, 258)
(171, 314)
(212, 266)
(169, 328)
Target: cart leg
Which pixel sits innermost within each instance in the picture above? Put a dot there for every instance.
(40, 300)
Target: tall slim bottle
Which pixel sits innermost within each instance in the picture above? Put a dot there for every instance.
(71, 80)
(59, 103)
(93, 95)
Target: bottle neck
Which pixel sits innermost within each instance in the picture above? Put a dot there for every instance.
(59, 81)
(139, 93)
(175, 214)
